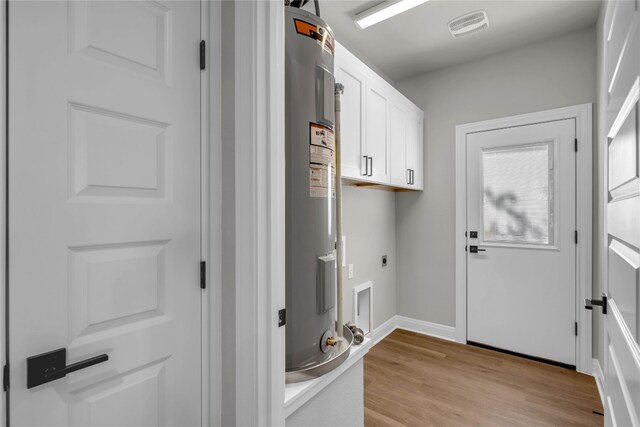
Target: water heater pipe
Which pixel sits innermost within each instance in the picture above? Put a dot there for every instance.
(339, 89)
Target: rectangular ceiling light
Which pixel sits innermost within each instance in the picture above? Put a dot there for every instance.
(385, 10)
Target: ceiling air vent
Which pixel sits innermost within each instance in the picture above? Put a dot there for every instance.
(469, 23)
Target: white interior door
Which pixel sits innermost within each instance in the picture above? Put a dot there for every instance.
(622, 320)
(521, 203)
(622, 350)
(104, 210)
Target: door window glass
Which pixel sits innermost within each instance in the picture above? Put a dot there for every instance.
(517, 202)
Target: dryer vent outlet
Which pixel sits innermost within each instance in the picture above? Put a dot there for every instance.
(468, 24)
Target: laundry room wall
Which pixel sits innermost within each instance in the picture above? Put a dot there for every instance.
(554, 73)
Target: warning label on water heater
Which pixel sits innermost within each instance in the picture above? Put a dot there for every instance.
(322, 161)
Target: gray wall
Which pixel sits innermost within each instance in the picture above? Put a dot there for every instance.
(369, 222)
(551, 74)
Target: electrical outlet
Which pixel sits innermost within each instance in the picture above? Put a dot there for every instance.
(350, 272)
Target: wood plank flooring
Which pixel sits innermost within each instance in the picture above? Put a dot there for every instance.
(415, 380)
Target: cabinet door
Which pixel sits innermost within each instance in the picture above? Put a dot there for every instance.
(350, 73)
(377, 120)
(415, 150)
(398, 142)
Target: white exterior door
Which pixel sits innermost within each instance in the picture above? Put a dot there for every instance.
(622, 320)
(104, 210)
(521, 219)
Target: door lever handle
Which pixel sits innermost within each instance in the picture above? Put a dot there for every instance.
(50, 366)
(589, 303)
(474, 249)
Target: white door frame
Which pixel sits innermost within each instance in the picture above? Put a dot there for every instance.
(260, 212)
(211, 214)
(582, 115)
(3, 196)
(210, 218)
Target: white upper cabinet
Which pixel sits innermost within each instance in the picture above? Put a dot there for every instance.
(415, 149)
(381, 130)
(377, 131)
(353, 79)
(400, 175)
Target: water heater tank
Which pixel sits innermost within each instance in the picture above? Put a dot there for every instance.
(310, 191)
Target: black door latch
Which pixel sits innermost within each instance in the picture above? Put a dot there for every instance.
(52, 365)
(474, 249)
(589, 303)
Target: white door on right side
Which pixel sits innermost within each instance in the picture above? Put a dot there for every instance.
(521, 258)
(622, 197)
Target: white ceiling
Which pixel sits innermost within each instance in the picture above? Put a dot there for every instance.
(418, 41)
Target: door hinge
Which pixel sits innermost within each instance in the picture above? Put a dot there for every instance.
(575, 148)
(282, 317)
(576, 328)
(203, 275)
(203, 54)
(576, 236)
(5, 378)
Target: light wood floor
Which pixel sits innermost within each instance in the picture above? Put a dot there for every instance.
(414, 380)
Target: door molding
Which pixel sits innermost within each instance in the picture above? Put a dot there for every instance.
(4, 244)
(211, 191)
(583, 117)
(259, 212)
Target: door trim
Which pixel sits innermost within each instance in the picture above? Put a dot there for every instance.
(259, 212)
(4, 132)
(210, 228)
(582, 114)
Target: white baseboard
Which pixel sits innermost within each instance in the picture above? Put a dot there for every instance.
(426, 328)
(383, 330)
(413, 325)
(598, 374)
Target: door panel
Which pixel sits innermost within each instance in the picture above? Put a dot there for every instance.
(622, 55)
(105, 201)
(622, 350)
(521, 204)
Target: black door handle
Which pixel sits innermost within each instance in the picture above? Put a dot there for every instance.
(474, 249)
(589, 303)
(50, 366)
(366, 166)
(371, 169)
